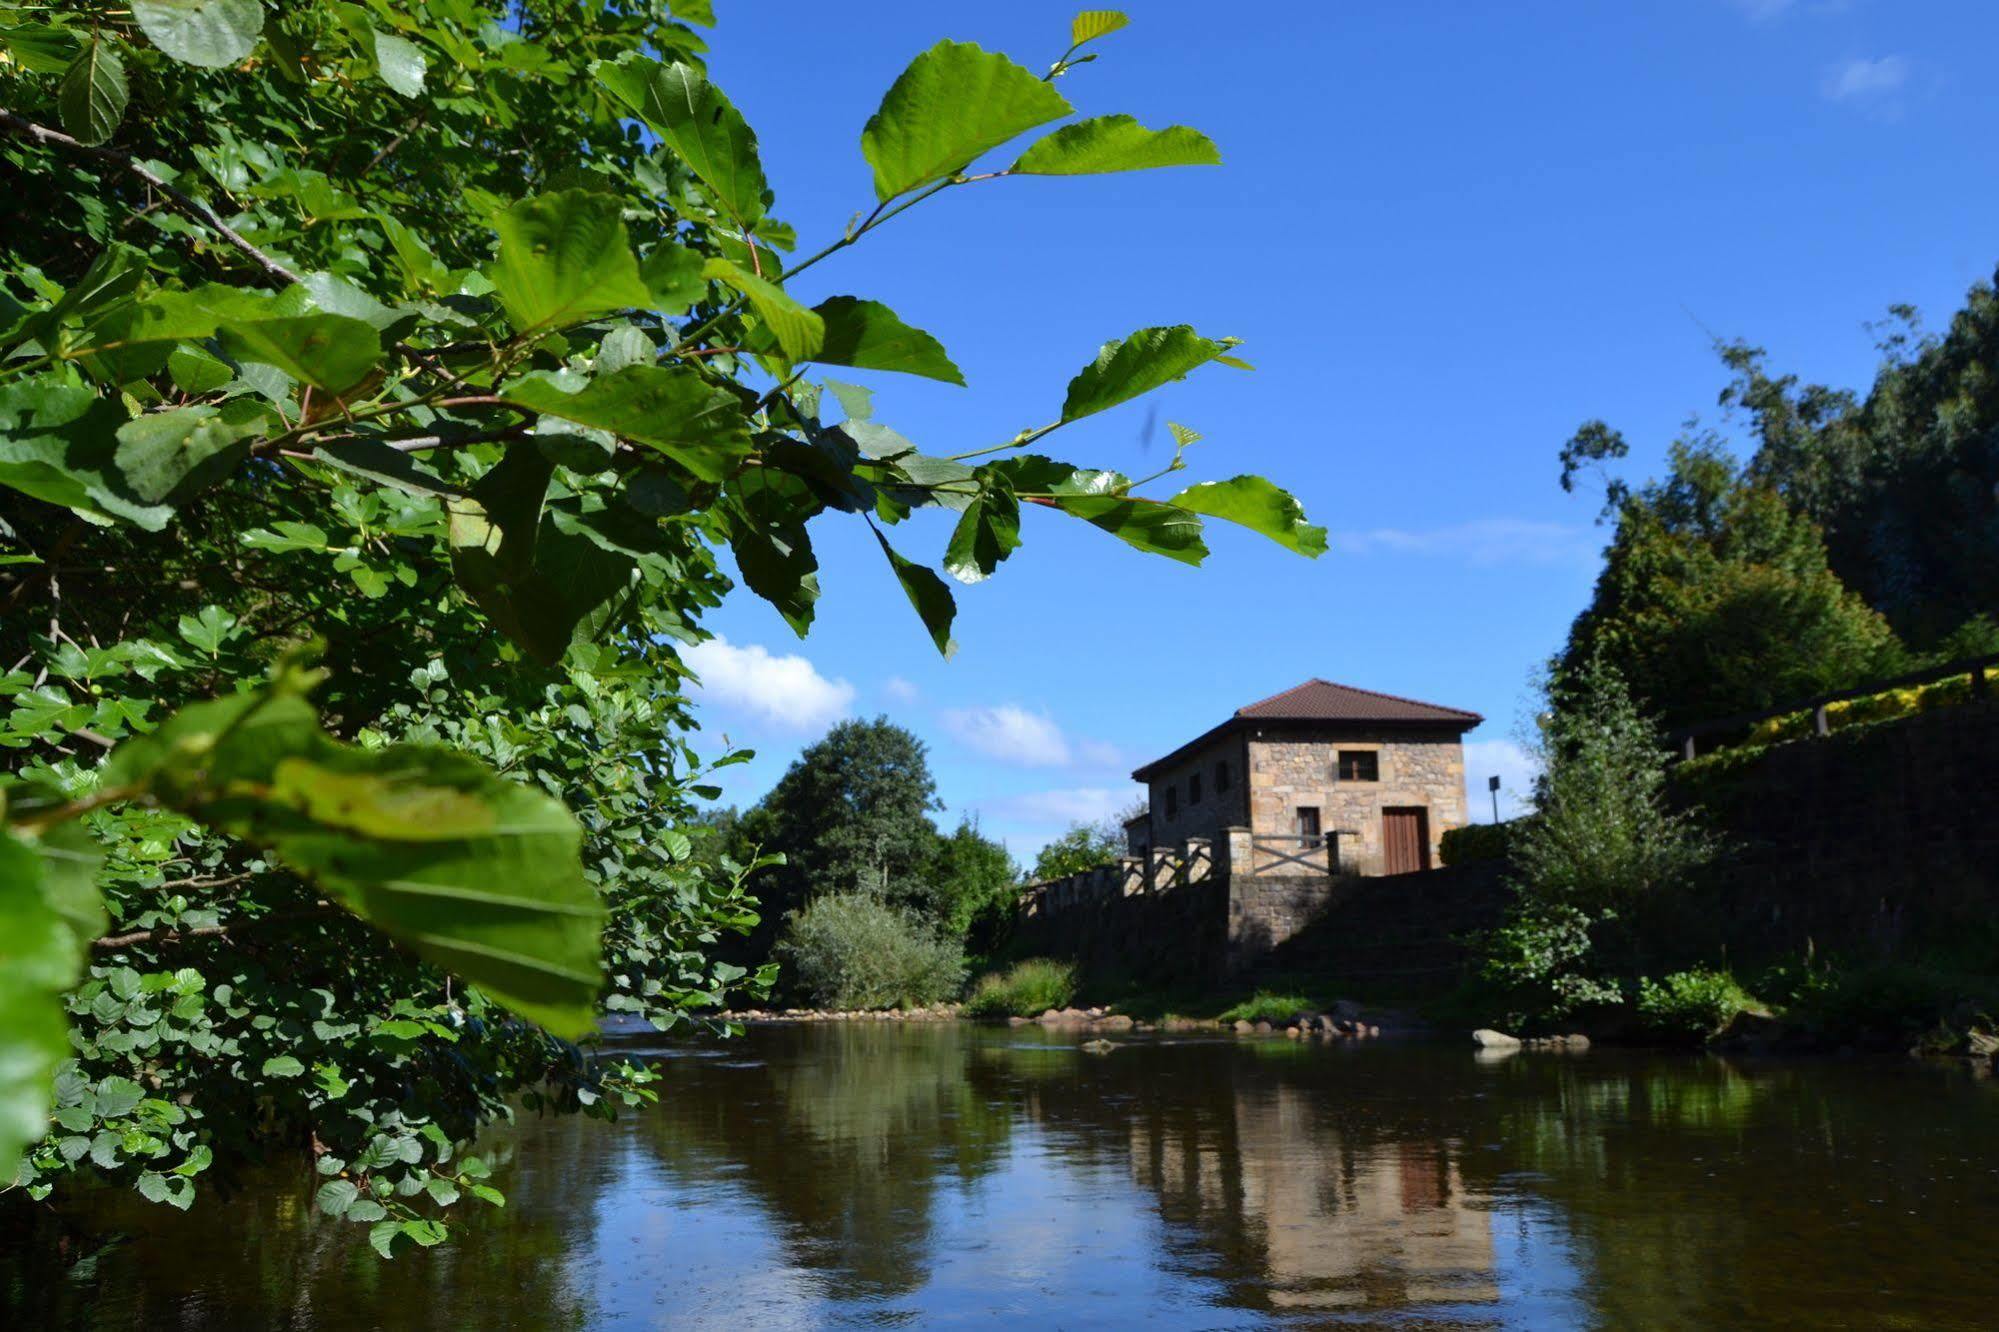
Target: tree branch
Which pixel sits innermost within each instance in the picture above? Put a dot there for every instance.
(187, 203)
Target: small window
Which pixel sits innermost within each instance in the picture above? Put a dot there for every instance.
(1308, 825)
(1172, 800)
(1360, 765)
(1222, 776)
(1194, 789)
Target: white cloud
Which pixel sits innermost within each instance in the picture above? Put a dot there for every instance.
(1513, 765)
(786, 690)
(1011, 734)
(899, 689)
(1482, 541)
(1076, 804)
(1864, 78)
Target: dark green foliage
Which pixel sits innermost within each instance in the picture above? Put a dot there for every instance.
(852, 950)
(386, 326)
(1690, 1007)
(1716, 598)
(1478, 841)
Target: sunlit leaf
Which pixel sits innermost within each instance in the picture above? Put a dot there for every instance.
(988, 531)
(402, 63)
(171, 455)
(564, 258)
(1258, 505)
(1094, 23)
(330, 352)
(1115, 143)
(59, 444)
(1138, 364)
(951, 104)
(698, 123)
(210, 33)
(798, 331)
(668, 408)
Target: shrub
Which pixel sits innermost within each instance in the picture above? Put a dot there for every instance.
(1264, 1006)
(1691, 1005)
(1027, 988)
(1477, 841)
(1537, 966)
(1888, 705)
(853, 950)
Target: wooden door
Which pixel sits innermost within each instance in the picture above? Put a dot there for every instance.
(1405, 840)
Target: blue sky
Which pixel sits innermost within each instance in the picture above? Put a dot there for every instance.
(1447, 232)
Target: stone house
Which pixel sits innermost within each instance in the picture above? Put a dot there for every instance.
(1325, 778)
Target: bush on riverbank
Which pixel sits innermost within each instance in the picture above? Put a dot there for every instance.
(1691, 1006)
(1269, 1006)
(1027, 988)
(853, 950)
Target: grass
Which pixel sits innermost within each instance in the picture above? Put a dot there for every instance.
(1268, 1006)
(1027, 988)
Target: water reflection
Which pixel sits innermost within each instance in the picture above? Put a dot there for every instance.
(884, 1175)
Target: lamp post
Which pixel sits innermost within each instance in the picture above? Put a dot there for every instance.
(1492, 785)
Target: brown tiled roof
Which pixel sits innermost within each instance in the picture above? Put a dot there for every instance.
(1324, 701)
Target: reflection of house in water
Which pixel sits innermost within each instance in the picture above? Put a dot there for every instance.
(1384, 1225)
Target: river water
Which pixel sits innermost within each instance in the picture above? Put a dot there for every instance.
(925, 1175)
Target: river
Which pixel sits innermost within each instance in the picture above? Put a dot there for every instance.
(925, 1175)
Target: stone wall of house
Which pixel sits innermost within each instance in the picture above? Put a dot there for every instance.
(1216, 810)
(1292, 769)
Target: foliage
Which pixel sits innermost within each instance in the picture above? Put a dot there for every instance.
(1478, 841)
(1716, 598)
(1083, 846)
(1603, 837)
(1887, 705)
(1029, 987)
(456, 335)
(853, 950)
(1539, 965)
(1268, 1006)
(972, 882)
(1691, 1006)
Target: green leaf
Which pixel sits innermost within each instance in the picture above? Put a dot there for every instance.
(1094, 23)
(798, 331)
(672, 409)
(93, 93)
(868, 336)
(210, 33)
(59, 443)
(1157, 529)
(402, 63)
(672, 274)
(694, 11)
(928, 593)
(169, 456)
(700, 124)
(1258, 505)
(951, 104)
(857, 401)
(335, 1196)
(564, 258)
(1115, 143)
(547, 579)
(1138, 364)
(988, 531)
(474, 873)
(208, 631)
(40, 955)
(383, 1236)
(283, 1066)
(766, 531)
(331, 352)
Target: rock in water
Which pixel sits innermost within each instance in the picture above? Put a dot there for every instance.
(1098, 1047)
(1489, 1039)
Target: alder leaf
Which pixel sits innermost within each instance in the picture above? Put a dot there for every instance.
(92, 96)
(213, 34)
(952, 103)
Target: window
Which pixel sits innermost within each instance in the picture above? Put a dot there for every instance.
(1307, 820)
(1172, 800)
(1359, 765)
(1222, 776)
(1194, 789)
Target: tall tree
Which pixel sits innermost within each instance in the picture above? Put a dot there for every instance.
(1716, 597)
